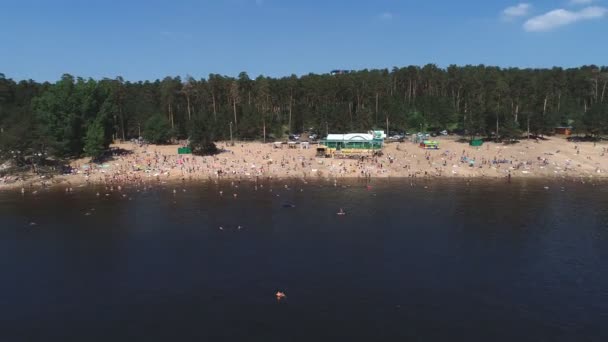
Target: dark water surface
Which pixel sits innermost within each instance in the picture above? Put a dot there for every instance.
(451, 262)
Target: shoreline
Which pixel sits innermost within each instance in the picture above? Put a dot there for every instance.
(555, 159)
(329, 182)
(67, 182)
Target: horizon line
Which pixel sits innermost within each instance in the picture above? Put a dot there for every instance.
(312, 73)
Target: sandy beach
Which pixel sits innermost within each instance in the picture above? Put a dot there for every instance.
(133, 164)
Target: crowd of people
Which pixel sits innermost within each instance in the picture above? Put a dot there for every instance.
(133, 163)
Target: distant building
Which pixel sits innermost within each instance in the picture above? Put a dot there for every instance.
(563, 130)
(354, 143)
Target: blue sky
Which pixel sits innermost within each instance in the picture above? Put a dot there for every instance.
(151, 39)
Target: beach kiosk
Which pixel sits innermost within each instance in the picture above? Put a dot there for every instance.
(476, 142)
(429, 145)
(354, 144)
(567, 131)
(184, 150)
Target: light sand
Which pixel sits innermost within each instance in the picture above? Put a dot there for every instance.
(552, 158)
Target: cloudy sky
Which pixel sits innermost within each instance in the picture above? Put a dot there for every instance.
(151, 39)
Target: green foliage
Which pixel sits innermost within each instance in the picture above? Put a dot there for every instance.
(18, 139)
(202, 137)
(62, 111)
(596, 120)
(157, 130)
(95, 143)
(415, 121)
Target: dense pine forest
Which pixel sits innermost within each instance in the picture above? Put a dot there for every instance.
(76, 116)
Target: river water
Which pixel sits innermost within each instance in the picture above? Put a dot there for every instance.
(438, 261)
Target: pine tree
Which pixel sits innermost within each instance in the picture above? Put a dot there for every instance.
(95, 141)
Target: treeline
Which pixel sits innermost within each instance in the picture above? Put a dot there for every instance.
(76, 116)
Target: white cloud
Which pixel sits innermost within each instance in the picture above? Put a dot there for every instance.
(386, 16)
(580, 2)
(519, 10)
(562, 17)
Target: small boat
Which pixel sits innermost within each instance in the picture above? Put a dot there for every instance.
(341, 212)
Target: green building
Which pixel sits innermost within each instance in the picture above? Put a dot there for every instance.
(354, 143)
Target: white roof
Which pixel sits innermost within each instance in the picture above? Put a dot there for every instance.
(351, 137)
